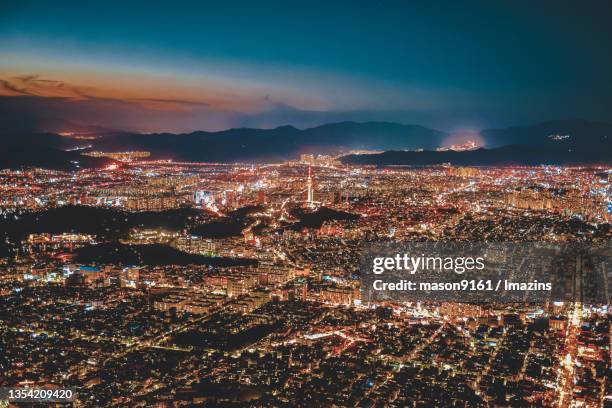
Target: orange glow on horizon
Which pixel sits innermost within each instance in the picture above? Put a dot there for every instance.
(461, 137)
(153, 92)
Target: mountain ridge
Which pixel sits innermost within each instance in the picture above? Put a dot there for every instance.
(513, 155)
(288, 142)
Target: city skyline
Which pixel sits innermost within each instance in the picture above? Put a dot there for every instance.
(156, 282)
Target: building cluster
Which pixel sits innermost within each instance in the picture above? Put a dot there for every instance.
(127, 156)
(238, 285)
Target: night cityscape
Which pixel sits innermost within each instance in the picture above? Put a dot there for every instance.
(185, 214)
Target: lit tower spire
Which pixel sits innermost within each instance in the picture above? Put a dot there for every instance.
(310, 190)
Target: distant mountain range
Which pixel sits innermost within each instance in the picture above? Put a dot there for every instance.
(563, 142)
(275, 144)
(578, 132)
(553, 142)
(515, 155)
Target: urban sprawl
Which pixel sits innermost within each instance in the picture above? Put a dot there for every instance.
(167, 284)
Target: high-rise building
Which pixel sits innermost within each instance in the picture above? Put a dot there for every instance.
(307, 158)
(202, 197)
(261, 197)
(310, 199)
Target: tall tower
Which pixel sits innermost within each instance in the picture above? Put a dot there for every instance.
(310, 199)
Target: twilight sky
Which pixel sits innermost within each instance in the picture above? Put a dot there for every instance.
(183, 66)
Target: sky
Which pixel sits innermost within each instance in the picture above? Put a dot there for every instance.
(181, 66)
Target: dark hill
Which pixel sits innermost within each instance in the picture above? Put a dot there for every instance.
(156, 254)
(104, 222)
(576, 133)
(20, 140)
(585, 140)
(229, 226)
(277, 144)
(507, 155)
(16, 157)
(225, 228)
(316, 218)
